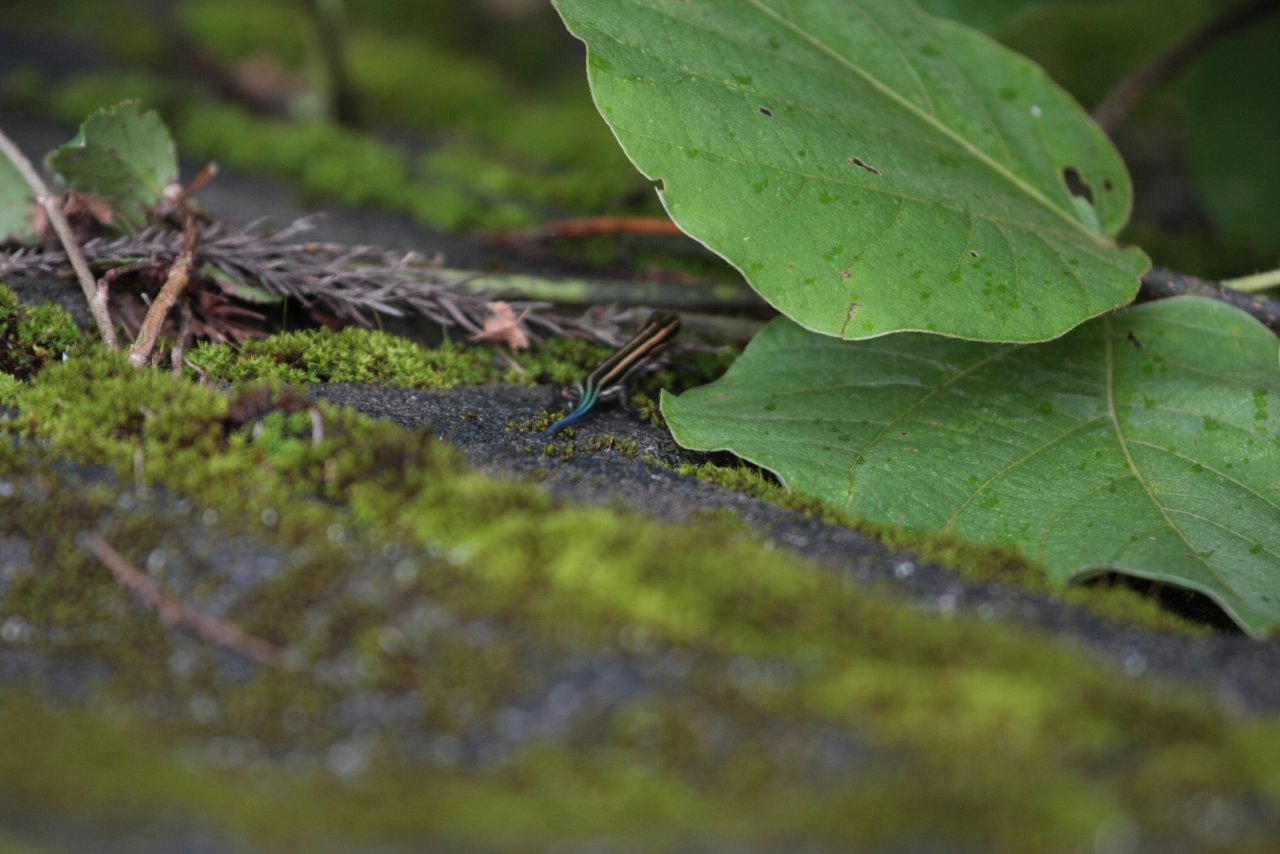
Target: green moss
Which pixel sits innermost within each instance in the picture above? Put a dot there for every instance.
(381, 527)
(499, 158)
(350, 355)
(76, 98)
(32, 336)
(233, 30)
(979, 563)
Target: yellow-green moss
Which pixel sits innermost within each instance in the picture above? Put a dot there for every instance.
(32, 336)
(979, 563)
(350, 355)
(977, 733)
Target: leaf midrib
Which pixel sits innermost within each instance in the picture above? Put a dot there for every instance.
(1114, 416)
(928, 118)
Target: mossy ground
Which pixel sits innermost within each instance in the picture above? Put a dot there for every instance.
(441, 622)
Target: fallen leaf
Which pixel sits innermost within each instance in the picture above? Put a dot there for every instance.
(502, 326)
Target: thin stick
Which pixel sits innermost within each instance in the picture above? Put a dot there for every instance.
(97, 298)
(1126, 95)
(179, 275)
(177, 613)
(206, 174)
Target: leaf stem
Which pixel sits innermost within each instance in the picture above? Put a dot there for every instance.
(1161, 284)
(97, 297)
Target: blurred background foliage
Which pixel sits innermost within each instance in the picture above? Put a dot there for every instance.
(476, 115)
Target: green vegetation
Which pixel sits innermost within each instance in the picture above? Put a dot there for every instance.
(496, 156)
(32, 336)
(978, 563)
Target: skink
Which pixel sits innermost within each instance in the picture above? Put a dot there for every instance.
(611, 375)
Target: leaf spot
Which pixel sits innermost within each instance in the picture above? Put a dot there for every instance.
(765, 111)
(853, 309)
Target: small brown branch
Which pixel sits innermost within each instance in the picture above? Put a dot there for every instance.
(174, 612)
(1120, 101)
(179, 275)
(96, 297)
(206, 174)
(1162, 284)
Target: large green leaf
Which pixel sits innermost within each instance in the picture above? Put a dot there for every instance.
(1147, 442)
(125, 156)
(16, 204)
(867, 167)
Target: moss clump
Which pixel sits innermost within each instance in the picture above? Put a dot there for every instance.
(350, 355)
(31, 337)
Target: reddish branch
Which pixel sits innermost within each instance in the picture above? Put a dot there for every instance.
(1121, 100)
(592, 226)
(177, 613)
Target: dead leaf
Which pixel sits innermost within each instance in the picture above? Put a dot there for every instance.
(95, 206)
(503, 327)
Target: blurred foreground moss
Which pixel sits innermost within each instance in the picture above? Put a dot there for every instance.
(432, 611)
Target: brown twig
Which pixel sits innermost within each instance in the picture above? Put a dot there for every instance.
(97, 298)
(1126, 95)
(179, 274)
(1162, 284)
(206, 174)
(177, 613)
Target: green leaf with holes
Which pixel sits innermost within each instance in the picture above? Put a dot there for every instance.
(1147, 442)
(123, 155)
(868, 168)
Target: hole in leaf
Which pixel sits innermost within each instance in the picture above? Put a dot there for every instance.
(1108, 185)
(1076, 185)
(765, 111)
(862, 164)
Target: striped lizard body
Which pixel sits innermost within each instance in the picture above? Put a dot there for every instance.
(611, 375)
